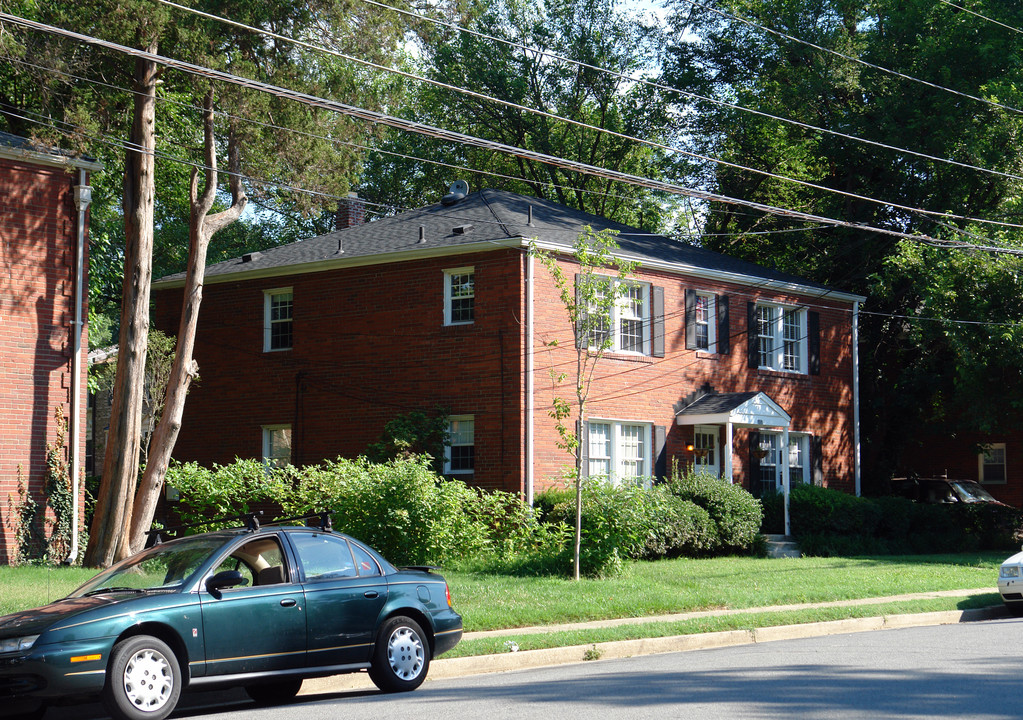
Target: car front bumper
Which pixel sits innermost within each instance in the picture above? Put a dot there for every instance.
(54, 671)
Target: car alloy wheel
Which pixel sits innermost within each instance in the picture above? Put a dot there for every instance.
(144, 681)
(405, 653)
(401, 658)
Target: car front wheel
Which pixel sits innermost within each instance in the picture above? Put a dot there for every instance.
(144, 680)
(401, 657)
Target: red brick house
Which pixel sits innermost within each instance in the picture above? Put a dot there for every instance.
(44, 201)
(307, 350)
(990, 459)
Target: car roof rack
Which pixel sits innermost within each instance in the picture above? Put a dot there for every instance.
(325, 523)
(251, 523)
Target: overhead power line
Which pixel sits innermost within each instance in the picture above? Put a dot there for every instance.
(636, 78)
(594, 128)
(982, 17)
(859, 61)
(449, 135)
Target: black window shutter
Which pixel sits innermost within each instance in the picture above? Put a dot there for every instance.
(724, 332)
(657, 322)
(752, 351)
(817, 460)
(755, 487)
(660, 455)
(691, 320)
(813, 342)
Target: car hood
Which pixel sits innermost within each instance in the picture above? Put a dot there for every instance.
(36, 620)
(1014, 560)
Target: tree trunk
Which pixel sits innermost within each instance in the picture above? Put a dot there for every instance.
(107, 539)
(201, 228)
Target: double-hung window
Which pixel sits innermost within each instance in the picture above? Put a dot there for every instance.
(703, 317)
(625, 324)
(459, 296)
(619, 451)
(277, 319)
(277, 445)
(991, 464)
(460, 453)
(781, 337)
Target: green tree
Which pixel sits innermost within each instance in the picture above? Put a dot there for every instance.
(297, 149)
(590, 32)
(837, 97)
(600, 284)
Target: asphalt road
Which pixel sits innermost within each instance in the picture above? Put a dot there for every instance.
(969, 670)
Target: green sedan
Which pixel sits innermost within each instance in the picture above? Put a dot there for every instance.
(262, 608)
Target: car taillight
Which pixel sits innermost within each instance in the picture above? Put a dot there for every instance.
(447, 592)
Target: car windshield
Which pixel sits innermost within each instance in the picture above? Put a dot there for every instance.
(164, 567)
(971, 493)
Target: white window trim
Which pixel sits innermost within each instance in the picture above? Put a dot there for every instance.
(778, 337)
(712, 323)
(1005, 465)
(267, 324)
(617, 459)
(644, 318)
(268, 431)
(447, 293)
(447, 448)
(802, 441)
(701, 463)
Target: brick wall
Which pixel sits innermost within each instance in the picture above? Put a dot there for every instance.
(370, 344)
(38, 226)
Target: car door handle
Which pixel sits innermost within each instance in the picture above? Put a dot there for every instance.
(288, 602)
(371, 594)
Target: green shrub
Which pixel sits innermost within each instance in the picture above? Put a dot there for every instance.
(615, 524)
(678, 527)
(736, 514)
(222, 491)
(401, 507)
(773, 505)
(830, 522)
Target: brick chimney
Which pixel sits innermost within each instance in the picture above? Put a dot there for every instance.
(350, 212)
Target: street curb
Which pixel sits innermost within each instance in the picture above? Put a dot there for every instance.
(527, 659)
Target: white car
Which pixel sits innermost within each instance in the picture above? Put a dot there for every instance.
(1010, 583)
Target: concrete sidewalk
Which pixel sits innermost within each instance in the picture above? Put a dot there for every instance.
(458, 667)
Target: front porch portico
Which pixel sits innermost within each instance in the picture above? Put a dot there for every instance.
(743, 410)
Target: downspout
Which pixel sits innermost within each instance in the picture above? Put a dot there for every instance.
(83, 198)
(856, 393)
(530, 265)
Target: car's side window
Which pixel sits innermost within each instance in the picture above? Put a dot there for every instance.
(367, 566)
(323, 556)
(261, 562)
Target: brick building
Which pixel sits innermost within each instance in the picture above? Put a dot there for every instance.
(307, 350)
(44, 200)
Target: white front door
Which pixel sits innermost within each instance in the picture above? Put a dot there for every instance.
(707, 453)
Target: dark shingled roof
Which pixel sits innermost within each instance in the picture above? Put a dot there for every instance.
(30, 148)
(481, 217)
(717, 403)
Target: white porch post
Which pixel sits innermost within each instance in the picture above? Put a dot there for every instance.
(784, 460)
(728, 451)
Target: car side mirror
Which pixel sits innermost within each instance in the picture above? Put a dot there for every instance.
(222, 580)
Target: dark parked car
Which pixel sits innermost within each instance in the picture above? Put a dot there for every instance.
(942, 490)
(257, 607)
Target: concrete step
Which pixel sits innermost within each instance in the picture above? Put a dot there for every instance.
(782, 546)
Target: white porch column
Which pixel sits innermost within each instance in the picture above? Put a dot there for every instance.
(784, 460)
(728, 451)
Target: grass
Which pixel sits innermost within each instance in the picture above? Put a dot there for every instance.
(646, 589)
(489, 602)
(742, 621)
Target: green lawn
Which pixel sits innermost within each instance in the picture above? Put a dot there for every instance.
(490, 602)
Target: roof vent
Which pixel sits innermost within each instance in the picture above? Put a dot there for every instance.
(458, 190)
(463, 229)
(249, 257)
